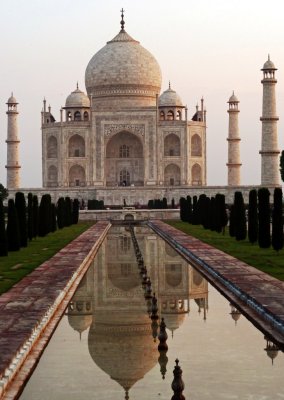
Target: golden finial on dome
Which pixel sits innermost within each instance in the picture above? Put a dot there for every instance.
(122, 23)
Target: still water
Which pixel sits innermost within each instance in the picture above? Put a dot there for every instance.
(105, 347)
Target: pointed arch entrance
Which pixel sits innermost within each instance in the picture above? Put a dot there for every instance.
(124, 165)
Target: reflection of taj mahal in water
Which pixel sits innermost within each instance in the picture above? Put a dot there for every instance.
(110, 301)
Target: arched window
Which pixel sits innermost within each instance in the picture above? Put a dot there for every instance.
(179, 115)
(77, 176)
(52, 175)
(196, 175)
(196, 146)
(172, 145)
(86, 116)
(69, 116)
(162, 116)
(170, 115)
(124, 151)
(172, 175)
(52, 147)
(76, 146)
(77, 116)
(124, 177)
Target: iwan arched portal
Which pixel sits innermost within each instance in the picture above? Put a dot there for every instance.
(124, 163)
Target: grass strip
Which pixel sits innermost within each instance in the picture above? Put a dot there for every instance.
(266, 260)
(20, 263)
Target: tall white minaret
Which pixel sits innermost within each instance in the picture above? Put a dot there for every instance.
(13, 166)
(269, 139)
(234, 163)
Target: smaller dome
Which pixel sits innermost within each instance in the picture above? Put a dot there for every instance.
(77, 99)
(170, 98)
(12, 100)
(269, 65)
(233, 98)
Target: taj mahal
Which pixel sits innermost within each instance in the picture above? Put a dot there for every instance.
(124, 140)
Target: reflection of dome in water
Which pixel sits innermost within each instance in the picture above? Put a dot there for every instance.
(124, 276)
(80, 322)
(125, 352)
(173, 321)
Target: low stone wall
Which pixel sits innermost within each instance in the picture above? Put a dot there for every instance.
(136, 214)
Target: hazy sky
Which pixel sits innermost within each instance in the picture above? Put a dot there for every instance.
(205, 48)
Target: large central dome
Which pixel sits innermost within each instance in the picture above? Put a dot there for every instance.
(123, 68)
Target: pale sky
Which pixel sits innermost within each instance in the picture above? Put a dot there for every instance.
(205, 48)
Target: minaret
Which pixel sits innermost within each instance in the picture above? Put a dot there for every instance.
(269, 140)
(13, 166)
(234, 164)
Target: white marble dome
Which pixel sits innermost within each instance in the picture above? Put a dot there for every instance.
(269, 65)
(123, 67)
(170, 98)
(233, 99)
(77, 99)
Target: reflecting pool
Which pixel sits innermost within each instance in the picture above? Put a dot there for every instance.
(106, 346)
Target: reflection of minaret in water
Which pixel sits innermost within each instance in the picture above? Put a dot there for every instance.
(235, 313)
(271, 349)
(80, 308)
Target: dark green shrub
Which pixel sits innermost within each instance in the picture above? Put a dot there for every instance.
(30, 217)
(264, 240)
(75, 211)
(240, 217)
(252, 217)
(3, 235)
(13, 232)
(277, 220)
(35, 216)
(20, 204)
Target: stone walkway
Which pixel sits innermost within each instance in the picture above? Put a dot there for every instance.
(29, 307)
(259, 296)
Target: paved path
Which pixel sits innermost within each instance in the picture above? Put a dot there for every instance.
(261, 296)
(30, 305)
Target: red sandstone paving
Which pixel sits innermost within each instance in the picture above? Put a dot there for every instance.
(23, 307)
(263, 288)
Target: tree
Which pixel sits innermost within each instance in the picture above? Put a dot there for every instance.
(35, 216)
(252, 217)
(194, 211)
(20, 204)
(30, 217)
(68, 211)
(212, 218)
(3, 192)
(61, 212)
(13, 232)
(282, 165)
(182, 210)
(240, 217)
(263, 218)
(3, 235)
(53, 218)
(165, 203)
(45, 215)
(221, 214)
(232, 222)
(277, 220)
(75, 211)
(188, 207)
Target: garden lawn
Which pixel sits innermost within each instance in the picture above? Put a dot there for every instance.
(266, 260)
(20, 263)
